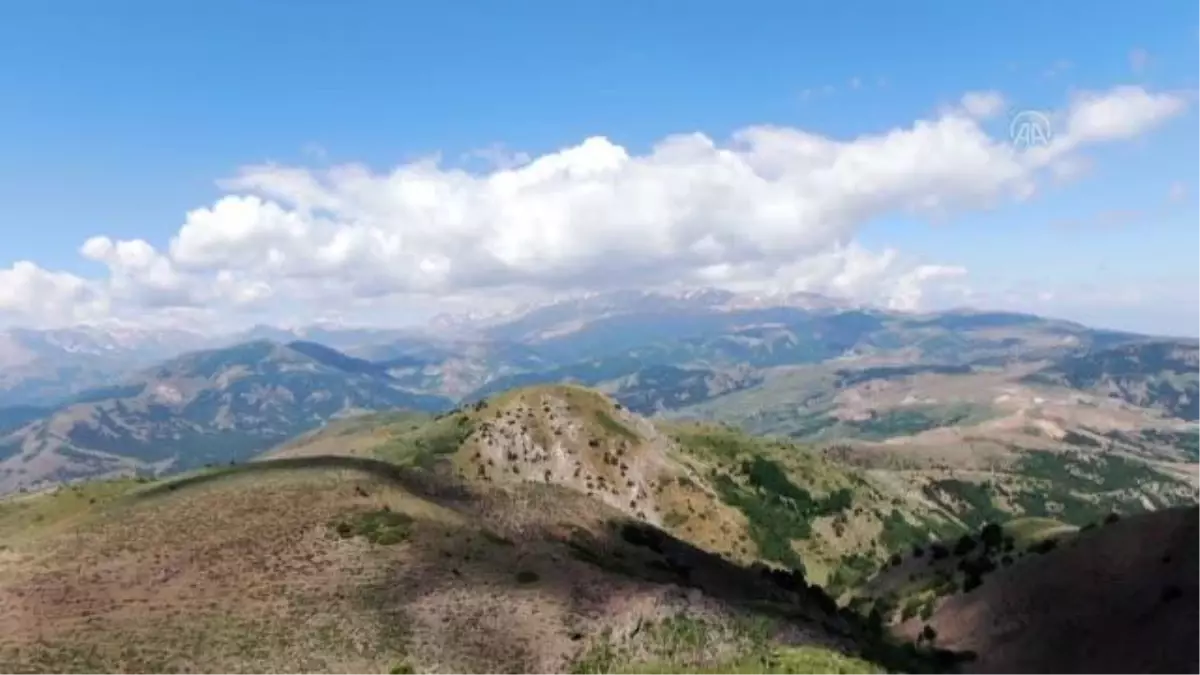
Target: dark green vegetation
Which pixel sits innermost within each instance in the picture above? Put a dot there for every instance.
(911, 583)
(973, 502)
(1079, 488)
(1075, 488)
(1186, 443)
(909, 421)
(384, 527)
(1153, 374)
(779, 511)
(822, 424)
(422, 444)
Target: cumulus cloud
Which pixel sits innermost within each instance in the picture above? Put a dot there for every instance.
(769, 207)
(35, 296)
(1119, 114)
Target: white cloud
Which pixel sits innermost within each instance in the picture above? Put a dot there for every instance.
(32, 295)
(1121, 113)
(771, 206)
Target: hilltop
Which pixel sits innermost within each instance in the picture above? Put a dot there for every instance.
(749, 499)
(774, 500)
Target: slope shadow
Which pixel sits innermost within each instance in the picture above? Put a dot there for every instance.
(431, 485)
(578, 553)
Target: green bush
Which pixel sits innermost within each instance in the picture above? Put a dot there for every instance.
(992, 536)
(778, 510)
(383, 526)
(964, 545)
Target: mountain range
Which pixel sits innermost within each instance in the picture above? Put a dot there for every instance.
(88, 402)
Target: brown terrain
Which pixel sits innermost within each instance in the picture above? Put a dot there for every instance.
(515, 535)
(1119, 598)
(343, 564)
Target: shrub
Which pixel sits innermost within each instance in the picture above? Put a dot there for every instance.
(527, 577)
(383, 526)
(938, 551)
(964, 545)
(875, 622)
(917, 551)
(1111, 518)
(401, 668)
(1044, 546)
(992, 536)
(928, 633)
(971, 582)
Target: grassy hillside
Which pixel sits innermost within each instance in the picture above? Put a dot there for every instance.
(543, 529)
(345, 564)
(747, 498)
(752, 499)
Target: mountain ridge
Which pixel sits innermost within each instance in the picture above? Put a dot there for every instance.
(216, 405)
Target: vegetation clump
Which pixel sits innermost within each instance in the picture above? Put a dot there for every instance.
(779, 511)
(383, 526)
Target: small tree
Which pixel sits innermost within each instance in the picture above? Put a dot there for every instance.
(964, 545)
(992, 536)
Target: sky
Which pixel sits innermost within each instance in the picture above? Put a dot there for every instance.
(217, 164)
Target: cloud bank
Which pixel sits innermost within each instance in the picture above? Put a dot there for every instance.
(771, 208)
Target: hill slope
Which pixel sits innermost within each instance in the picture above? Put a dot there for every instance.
(1120, 598)
(750, 499)
(1160, 375)
(342, 564)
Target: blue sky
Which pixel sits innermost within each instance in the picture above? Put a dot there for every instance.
(120, 118)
